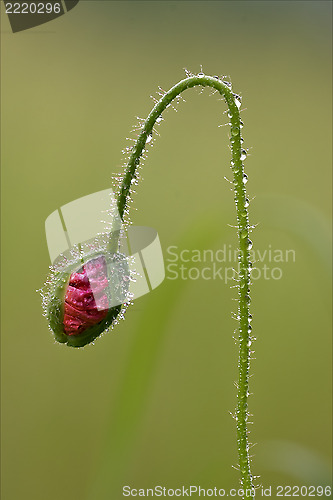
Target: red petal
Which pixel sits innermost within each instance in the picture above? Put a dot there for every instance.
(86, 287)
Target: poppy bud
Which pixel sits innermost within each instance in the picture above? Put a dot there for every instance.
(85, 299)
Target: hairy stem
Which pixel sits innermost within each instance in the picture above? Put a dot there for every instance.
(239, 181)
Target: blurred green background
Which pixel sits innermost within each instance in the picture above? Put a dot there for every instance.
(149, 403)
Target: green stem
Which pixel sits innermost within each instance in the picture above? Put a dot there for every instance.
(239, 181)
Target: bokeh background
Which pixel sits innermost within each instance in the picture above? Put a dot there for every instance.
(149, 403)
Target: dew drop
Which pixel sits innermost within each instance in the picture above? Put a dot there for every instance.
(244, 233)
(245, 179)
(149, 138)
(249, 245)
(250, 317)
(246, 203)
(159, 119)
(228, 84)
(238, 100)
(235, 168)
(243, 154)
(235, 131)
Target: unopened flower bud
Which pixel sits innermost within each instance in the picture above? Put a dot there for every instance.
(85, 299)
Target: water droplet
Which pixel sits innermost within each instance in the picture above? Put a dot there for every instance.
(247, 298)
(159, 119)
(238, 100)
(235, 131)
(249, 343)
(246, 203)
(201, 74)
(241, 124)
(244, 233)
(249, 245)
(245, 179)
(149, 138)
(228, 84)
(243, 154)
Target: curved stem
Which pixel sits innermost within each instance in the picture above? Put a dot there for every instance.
(239, 180)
